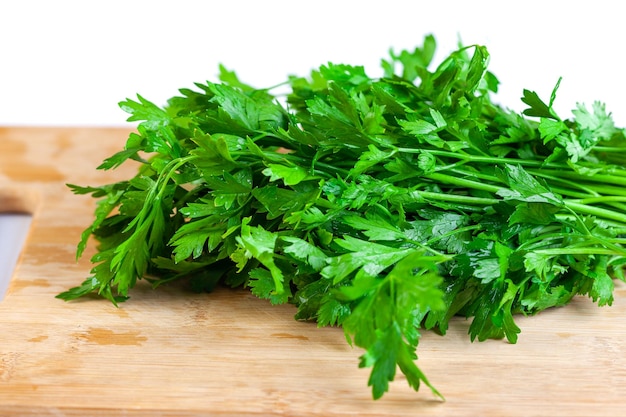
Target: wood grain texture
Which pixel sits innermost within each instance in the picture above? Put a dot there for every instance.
(173, 353)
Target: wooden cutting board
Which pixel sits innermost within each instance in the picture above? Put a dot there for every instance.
(168, 352)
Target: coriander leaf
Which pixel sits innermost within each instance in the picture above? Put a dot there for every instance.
(231, 78)
(262, 285)
(387, 316)
(213, 153)
(291, 175)
(133, 146)
(365, 257)
(544, 265)
(368, 159)
(332, 312)
(281, 201)
(241, 111)
(348, 76)
(376, 228)
(423, 130)
(598, 121)
(551, 128)
(259, 244)
(414, 63)
(603, 286)
(305, 251)
(382, 357)
(104, 207)
(151, 115)
(575, 147)
(194, 238)
(537, 107)
(534, 213)
(526, 188)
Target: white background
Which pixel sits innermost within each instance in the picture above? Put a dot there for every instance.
(70, 62)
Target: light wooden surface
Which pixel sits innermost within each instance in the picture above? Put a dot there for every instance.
(172, 353)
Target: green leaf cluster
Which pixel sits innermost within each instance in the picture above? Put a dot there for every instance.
(385, 205)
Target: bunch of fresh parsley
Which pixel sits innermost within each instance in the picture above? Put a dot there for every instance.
(383, 205)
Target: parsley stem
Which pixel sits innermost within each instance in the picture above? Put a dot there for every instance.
(595, 211)
(448, 179)
(169, 170)
(574, 240)
(609, 149)
(478, 175)
(572, 204)
(578, 251)
(566, 182)
(486, 159)
(545, 239)
(455, 198)
(601, 199)
(601, 178)
(572, 193)
(333, 170)
(619, 227)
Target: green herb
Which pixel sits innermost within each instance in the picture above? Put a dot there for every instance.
(383, 205)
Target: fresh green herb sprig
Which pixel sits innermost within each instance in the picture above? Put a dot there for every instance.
(383, 205)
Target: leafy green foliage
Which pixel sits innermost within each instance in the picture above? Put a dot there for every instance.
(385, 206)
